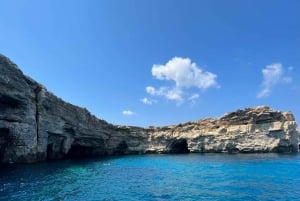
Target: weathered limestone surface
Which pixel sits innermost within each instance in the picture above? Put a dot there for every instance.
(35, 125)
(258, 129)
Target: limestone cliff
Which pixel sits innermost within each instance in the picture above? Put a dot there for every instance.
(258, 129)
(35, 125)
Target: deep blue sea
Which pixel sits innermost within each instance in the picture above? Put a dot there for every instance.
(156, 177)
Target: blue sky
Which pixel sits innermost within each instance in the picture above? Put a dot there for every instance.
(158, 62)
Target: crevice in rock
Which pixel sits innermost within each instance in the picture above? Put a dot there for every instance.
(11, 120)
(9, 102)
(37, 91)
(70, 130)
(4, 141)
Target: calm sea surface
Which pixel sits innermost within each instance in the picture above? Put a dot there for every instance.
(157, 177)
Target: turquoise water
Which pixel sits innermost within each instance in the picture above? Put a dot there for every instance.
(157, 177)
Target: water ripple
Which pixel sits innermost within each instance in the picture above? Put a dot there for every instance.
(156, 177)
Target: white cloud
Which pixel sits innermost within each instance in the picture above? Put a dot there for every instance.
(287, 79)
(148, 101)
(194, 97)
(169, 93)
(185, 75)
(273, 74)
(174, 94)
(151, 90)
(128, 112)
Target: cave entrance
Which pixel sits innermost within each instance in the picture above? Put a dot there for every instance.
(55, 146)
(121, 148)
(179, 146)
(82, 148)
(49, 151)
(5, 141)
(79, 151)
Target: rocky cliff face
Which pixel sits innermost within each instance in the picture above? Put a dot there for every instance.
(258, 129)
(35, 125)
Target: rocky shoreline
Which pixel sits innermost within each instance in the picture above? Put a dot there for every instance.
(35, 125)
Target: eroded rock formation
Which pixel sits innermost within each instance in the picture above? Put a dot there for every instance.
(258, 129)
(35, 125)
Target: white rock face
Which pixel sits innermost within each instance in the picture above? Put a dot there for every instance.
(36, 125)
(257, 129)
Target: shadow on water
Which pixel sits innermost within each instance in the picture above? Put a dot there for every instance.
(54, 165)
(57, 165)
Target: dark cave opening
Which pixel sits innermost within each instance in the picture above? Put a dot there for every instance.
(179, 146)
(55, 146)
(4, 141)
(79, 151)
(121, 148)
(49, 151)
(82, 151)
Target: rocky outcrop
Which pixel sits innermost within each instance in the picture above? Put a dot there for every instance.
(258, 129)
(35, 125)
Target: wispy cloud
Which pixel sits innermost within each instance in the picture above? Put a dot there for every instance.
(128, 113)
(193, 98)
(183, 75)
(148, 101)
(273, 75)
(174, 93)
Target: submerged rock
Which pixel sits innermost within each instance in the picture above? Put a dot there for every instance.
(35, 125)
